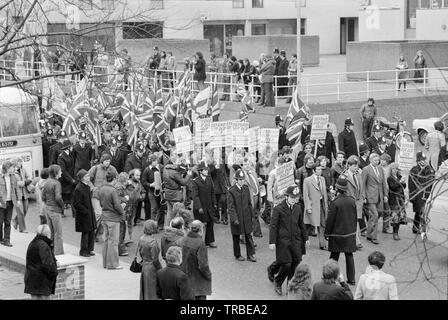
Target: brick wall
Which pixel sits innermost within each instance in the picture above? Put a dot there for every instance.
(70, 284)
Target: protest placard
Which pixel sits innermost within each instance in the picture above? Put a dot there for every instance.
(268, 141)
(183, 139)
(319, 127)
(218, 134)
(229, 133)
(240, 139)
(406, 156)
(285, 176)
(202, 130)
(252, 136)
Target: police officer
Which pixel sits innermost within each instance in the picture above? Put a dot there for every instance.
(373, 141)
(347, 139)
(47, 142)
(287, 236)
(83, 153)
(56, 149)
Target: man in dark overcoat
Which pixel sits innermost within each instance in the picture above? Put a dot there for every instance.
(288, 236)
(48, 141)
(241, 215)
(85, 221)
(56, 149)
(419, 178)
(67, 180)
(118, 155)
(221, 185)
(204, 202)
(340, 229)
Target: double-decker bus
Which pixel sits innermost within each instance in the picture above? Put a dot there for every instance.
(19, 129)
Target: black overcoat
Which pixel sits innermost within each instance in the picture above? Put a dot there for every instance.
(347, 143)
(85, 220)
(41, 269)
(239, 209)
(203, 198)
(67, 180)
(82, 157)
(287, 231)
(341, 225)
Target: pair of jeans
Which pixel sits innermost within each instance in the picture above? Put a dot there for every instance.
(5, 221)
(269, 94)
(367, 124)
(96, 205)
(121, 245)
(169, 213)
(55, 224)
(110, 249)
(87, 242)
(155, 208)
(349, 264)
(21, 212)
(250, 249)
(291, 86)
(372, 223)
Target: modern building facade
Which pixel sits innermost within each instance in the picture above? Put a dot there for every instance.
(334, 21)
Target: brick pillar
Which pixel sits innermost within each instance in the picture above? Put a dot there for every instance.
(70, 283)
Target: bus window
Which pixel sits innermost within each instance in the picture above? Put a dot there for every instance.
(17, 121)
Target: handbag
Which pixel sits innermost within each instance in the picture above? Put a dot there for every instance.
(136, 266)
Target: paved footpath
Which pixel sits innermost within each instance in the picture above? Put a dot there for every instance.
(234, 280)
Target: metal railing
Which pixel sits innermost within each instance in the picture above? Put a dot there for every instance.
(314, 88)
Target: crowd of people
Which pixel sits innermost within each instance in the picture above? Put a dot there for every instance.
(340, 192)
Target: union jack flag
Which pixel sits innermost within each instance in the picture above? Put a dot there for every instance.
(160, 124)
(297, 115)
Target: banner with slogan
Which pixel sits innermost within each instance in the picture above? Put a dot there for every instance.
(229, 133)
(319, 127)
(285, 176)
(218, 134)
(202, 130)
(252, 136)
(183, 139)
(268, 141)
(406, 157)
(239, 134)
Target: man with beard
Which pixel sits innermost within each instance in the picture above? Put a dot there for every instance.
(151, 181)
(97, 175)
(241, 216)
(204, 202)
(287, 236)
(83, 154)
(419, 178)
(136, 160)
(67, 180)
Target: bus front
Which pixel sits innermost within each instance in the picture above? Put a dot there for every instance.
(19, 129)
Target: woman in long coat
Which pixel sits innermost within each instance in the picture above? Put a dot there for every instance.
(41, 268)
(149, 251)
(435, 142)
(85, 221)
(65, 161)
(341, 228)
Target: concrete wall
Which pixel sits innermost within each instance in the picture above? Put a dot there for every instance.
(140, 49)
(252, 46)
(382, 25)
(371, 56)
(432, 24)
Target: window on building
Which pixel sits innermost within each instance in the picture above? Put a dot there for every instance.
(108, 4)
(156, 4)
(237, 3)
(257, 3)
(258, 29)
(302, 26)
(412, 6)
(142, 30)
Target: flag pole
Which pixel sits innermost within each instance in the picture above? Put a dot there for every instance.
(299, 43)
